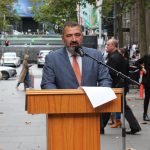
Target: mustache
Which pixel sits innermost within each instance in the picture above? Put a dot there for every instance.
(74, 43)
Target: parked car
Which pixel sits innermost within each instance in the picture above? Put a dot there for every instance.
(41, 57)
(10, 59)
(7, 72)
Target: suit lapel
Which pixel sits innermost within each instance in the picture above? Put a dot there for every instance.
(85, 63)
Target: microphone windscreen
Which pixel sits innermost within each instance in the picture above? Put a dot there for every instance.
(78, 50)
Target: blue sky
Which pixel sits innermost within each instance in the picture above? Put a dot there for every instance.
(23, 8)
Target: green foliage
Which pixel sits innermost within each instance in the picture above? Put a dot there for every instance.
(123, 5)
(7, 15)
(56, 12)
(147, 4)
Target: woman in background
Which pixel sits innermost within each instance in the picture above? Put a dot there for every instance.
(24, 75)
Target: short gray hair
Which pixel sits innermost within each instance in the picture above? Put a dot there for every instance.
(71, 24)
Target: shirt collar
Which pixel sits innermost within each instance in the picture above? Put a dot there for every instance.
(70, 54)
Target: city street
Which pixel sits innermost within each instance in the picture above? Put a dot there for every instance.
(22, 131)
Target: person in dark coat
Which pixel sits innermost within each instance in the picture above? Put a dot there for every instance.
(125, 54)
(116, 60)
(144, 62)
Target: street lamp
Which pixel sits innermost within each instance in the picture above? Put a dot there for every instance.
(4, 21)
(3, 36)
(98, 4)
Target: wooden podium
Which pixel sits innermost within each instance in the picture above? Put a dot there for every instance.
(72, 122)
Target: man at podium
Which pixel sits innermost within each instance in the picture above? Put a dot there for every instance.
(65, 69)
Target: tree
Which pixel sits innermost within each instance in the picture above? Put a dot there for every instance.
(119, 8)
(142, 28)
(123, 6)
(7, 14)
(54, 13)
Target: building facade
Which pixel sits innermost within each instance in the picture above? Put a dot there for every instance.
(132, 22)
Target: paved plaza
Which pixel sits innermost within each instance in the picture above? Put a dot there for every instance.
(22, 131)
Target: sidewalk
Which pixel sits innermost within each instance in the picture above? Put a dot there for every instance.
(112, 140)
(22, 131)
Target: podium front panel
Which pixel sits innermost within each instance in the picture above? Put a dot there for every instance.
(67, 101)
(72, 123)
(74, 132)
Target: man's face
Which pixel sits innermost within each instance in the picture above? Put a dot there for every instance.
(72, 37)
(110, 46)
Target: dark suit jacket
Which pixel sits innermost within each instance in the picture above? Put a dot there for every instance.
(58, 72)
(117, 61)
(146, 77)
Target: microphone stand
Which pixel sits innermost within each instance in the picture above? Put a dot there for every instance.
(123, 76)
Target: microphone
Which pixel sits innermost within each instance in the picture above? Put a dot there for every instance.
(78, 50)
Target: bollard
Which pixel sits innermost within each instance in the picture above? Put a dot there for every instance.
(141, 91)
(141, 85)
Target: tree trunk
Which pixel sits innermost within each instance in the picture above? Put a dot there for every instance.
(142, 28)
(119, 25)
(120, 31)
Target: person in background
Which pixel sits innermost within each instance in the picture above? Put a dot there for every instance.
(116, 60)
(133, 48)
(136, 55)
(24, 75)
(117, 116)
(58, 71)
(144, 62)
(125, 54)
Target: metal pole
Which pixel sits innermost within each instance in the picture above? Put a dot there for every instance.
(114, 19)
(98, 4)
(123, 123)
(2, 49)
(79, 14)
(4, 22)
(100, 23)
(3, 38)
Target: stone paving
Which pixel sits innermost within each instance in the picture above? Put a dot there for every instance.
(22, 131)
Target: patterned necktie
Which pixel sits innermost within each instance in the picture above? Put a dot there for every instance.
(76, 69)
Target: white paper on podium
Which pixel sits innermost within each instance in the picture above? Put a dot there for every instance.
(99, 95)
